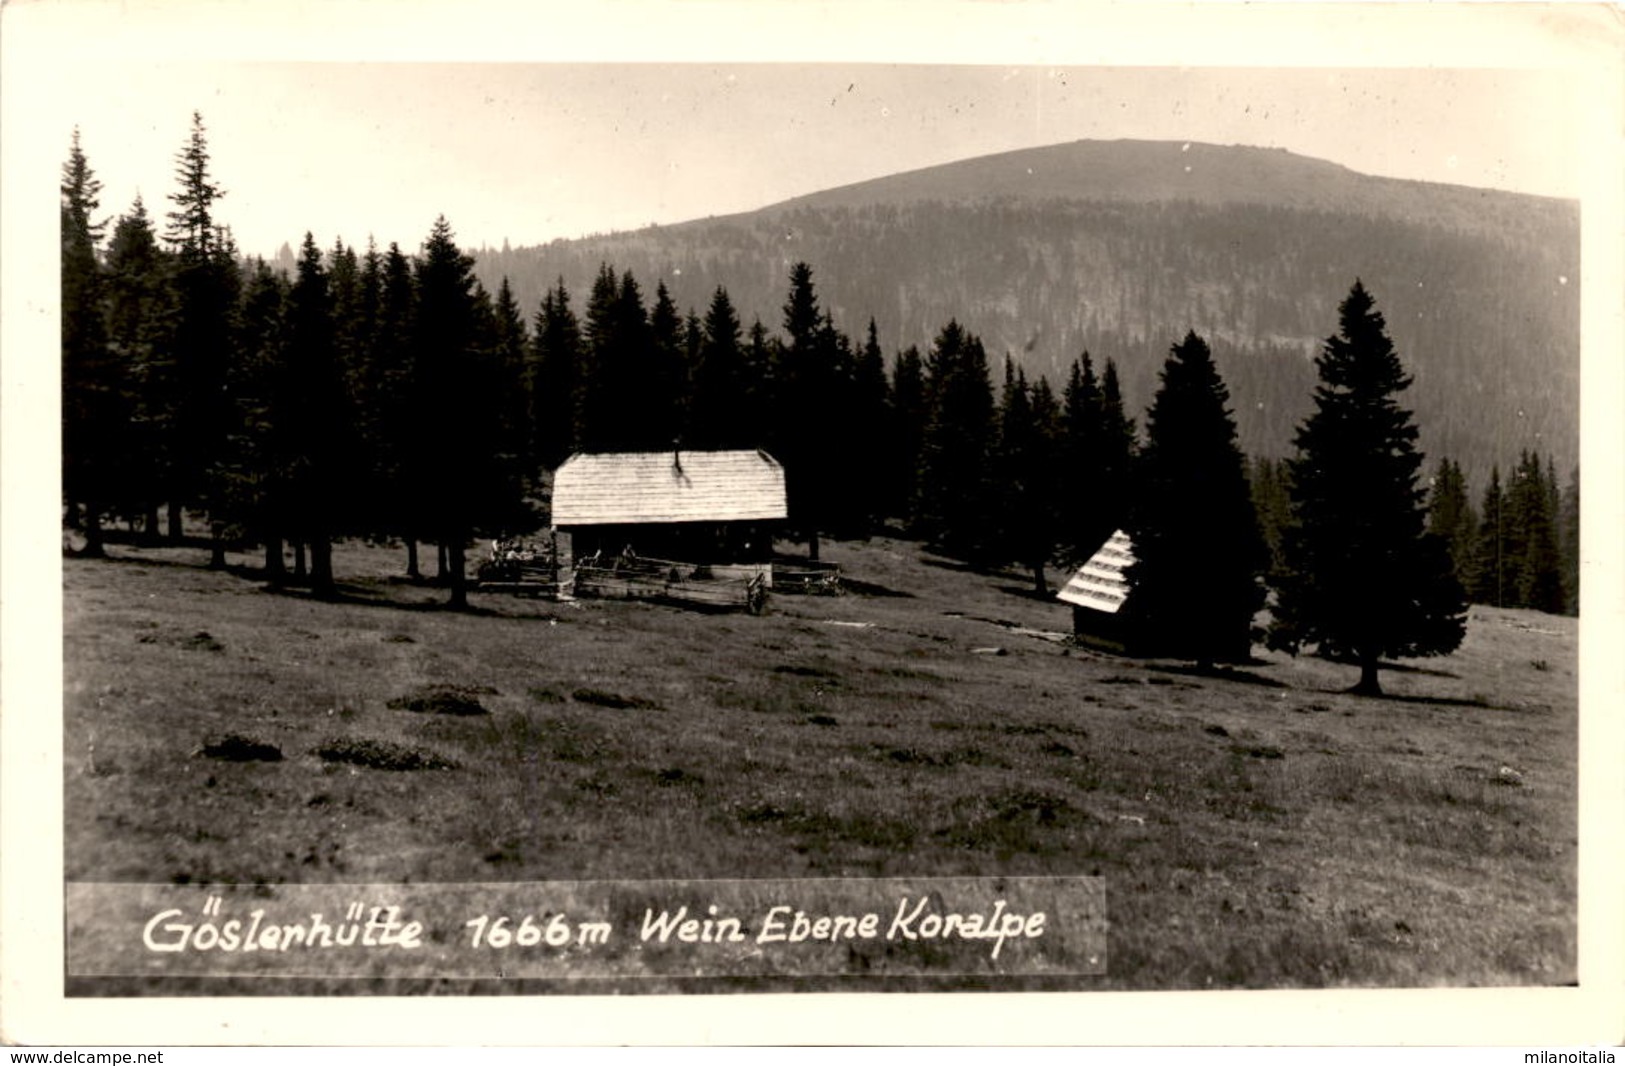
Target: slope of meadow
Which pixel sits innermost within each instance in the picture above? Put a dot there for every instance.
(1260, 829)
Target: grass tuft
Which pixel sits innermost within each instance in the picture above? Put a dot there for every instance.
(381, 755)
(442, 699)
(599, 698)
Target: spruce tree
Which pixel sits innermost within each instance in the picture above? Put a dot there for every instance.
(202, 327)
(869, 416)
(258, 373)
(838, 451)
(1363, 578)
(510, 345)
(397, 409)
(1451, 518)
(222, 470)
(92, 411)
(623, 402)
(908, 417)
(1491, 559)
(665, 376)
(1272, 503)
(453, 418)
(314, 418)
(140, 326)
(807, 384)
(718, 415)
(759, 423)
(556, 394)
(955, 508)
(1119, 447)
(1569, 543)
(1024, 470)
(1085, 521)
(1195, 582)
(1529, 506)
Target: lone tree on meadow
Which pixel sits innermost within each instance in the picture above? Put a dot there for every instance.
(1195, 582)
(1362, 578)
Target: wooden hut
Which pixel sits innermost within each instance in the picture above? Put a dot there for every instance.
(697, 506)
(1098, 593)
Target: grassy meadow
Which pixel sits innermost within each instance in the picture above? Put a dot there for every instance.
(1257, 828)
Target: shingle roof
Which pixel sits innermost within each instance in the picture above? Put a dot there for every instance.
(1099, 583)
(631, 488)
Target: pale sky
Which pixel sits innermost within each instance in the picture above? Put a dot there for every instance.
(529, 151)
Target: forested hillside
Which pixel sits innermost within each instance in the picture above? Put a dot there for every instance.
(1120, 248)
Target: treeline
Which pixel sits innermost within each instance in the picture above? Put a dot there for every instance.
(394, 397)
(1491, 315)
(364, 396)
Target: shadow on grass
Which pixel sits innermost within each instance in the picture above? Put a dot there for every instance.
(1432, 701)
(1221, 673)
(1396, 697)
(348, 595)
(869, 588)
(1027, 592)
(959, 567)
(147, 561)
(1392, 667)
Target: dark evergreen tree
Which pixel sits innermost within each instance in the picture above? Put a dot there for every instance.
(465, 487)
(807, 379)
(869, 414)
(908, 418)
(314, 419)
(556, 393)
(1119, 446)
(344, 288)
(1534, 538)
(1490, 584)
(1363, 579)
(719, 415)
(192, 226)
(92, 394)
(1025, 468)
(693, 345)
(757, 426)
(1272, 503)
(258, 381)
(222, 469)
(201, 338)
(397, 409)
(510, 345)
(1569, 543)
(140, 323)
(838, 451)
(625, 404)
(665, 360)
(956, 509)
(1085, 523)
(1451, 518)
(1199, 556)
(599, 364)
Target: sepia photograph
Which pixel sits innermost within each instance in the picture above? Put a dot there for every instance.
(651, 530)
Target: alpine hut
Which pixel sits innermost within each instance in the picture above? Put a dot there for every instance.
(698, 506)
(1098, 593)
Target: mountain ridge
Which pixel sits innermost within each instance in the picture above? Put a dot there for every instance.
(1141, 171)
(1114, 248)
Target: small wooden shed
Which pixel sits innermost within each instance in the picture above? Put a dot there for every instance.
(1098, 593)
(696, 506)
